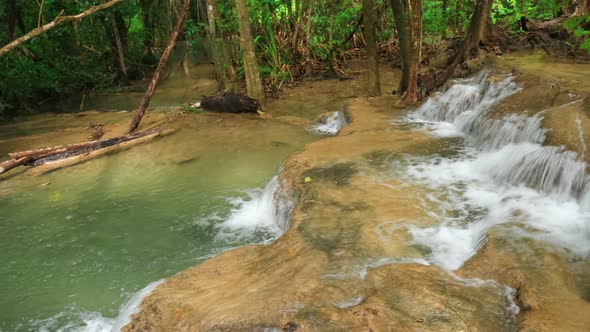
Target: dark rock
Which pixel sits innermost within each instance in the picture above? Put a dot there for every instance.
(229, 102)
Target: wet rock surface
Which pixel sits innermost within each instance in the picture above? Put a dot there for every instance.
(335, 268)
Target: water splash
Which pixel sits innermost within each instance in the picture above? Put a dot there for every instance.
(330, 124)
(265, 214)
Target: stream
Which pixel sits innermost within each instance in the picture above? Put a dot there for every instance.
(84, 245)
(79, 244)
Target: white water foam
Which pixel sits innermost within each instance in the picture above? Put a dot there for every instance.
(331, 125)
(94, 321)
(504, 176)
(265, 212)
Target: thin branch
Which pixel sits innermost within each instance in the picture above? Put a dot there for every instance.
(57, 21)
(40, 13)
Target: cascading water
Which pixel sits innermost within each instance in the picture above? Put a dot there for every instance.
(503, 175)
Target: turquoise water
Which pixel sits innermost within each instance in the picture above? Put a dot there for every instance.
(84, 239)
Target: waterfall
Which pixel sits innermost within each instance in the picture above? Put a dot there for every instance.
(503, 176)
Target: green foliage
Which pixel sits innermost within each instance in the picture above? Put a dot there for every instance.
(71, 58)
(579, 25)
(510, 11)
(68, 58)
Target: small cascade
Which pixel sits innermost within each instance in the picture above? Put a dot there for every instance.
(491, 134)
(465, 98)
(550, 169)
(516, 138)
(504, 175)
(329, 124)
(264, 213)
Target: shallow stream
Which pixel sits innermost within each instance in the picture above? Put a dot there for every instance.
(425, 193)
(78, 243)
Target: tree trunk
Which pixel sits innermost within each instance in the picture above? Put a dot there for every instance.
(253, 81)
(216, 45)
(370, 20)
(149, 30)
(308, 65)
(228, 58)
(415, 14)
(408, 21)
(476, 33)
(152, 87)
(186, 58)
(403, 34)
(14, 19)
(582, 8)
(120, 49)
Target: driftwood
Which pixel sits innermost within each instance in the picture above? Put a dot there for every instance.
(57, 21)
(163, 59)
(66, 155)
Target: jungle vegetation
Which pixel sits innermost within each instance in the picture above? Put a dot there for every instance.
(267, 43)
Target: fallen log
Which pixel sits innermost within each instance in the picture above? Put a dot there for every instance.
(65, 155)
(53, 164)
(37, 153)
(10, 164)
(85, 148)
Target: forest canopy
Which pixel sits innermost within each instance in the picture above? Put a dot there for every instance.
(292, 39)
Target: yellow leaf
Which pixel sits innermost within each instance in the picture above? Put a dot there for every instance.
(54, 197)
(307, 180)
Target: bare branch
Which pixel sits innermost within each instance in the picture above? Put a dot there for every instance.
(57, 21)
